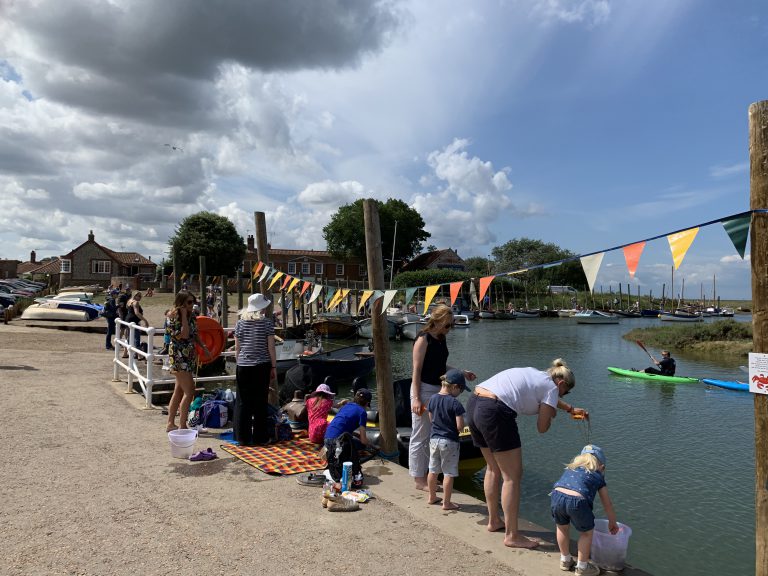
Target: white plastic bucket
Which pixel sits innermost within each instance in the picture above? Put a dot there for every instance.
(609, 551)
(182, 442)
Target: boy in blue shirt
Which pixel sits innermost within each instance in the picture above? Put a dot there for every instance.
(447, 416)
(340, 443)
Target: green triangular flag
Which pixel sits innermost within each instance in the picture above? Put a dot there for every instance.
(409, 292)
(329, 292)
(738, 231)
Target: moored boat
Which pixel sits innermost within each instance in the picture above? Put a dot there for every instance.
(504, 315)
(410, 330)
(486, 314)
(595, 317)
(44, 312)
(345, 363)
(527, 313)
(679, 316)
(653, 377)
(461, 321)
(288, 352)
(335, 326)
(365, 328)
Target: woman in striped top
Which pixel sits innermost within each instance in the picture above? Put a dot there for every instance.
(256, 368)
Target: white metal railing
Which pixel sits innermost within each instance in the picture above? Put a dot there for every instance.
(153, 374)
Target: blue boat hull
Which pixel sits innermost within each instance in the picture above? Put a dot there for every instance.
(740, 386)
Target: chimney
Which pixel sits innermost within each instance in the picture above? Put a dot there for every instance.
(251, 245)
(90, 236)
(32, 256)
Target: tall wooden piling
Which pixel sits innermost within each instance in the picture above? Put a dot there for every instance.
(385, 394)
(263, 251)
(203, 295)
(176, 272)
(758, 158)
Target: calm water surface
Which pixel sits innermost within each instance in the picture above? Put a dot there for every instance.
(680, 457)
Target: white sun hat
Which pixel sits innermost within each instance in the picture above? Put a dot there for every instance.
(257, 302)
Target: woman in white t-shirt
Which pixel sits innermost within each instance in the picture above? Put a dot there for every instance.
(492, 412)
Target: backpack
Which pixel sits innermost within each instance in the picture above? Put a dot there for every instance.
(340, 451)
(214, 414)
(278, 427)
(110, 309)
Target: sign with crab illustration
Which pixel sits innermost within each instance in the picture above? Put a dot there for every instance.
(758, 373)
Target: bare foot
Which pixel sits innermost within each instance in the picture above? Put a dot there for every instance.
(495, 527)
(422, 487)
(520, 542)
(450, 506)
(435, 501)
(171, 427)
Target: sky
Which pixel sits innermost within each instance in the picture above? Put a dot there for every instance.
(586, 123)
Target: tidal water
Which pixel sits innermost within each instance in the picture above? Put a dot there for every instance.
(680, 467)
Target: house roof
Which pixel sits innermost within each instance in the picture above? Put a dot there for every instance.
(127, 258)
(52, 266)
(422, 261)
(297, 253)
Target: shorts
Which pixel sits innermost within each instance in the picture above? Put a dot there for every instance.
(576, 510)
(492, 424)
(444, 457)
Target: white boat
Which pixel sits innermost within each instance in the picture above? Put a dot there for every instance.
(44, 312)
(595, 317)
(410, 330)
(365, 328)
(567, 312)
(487, 314)
(287, 353)
(461, 321)
(679, 316)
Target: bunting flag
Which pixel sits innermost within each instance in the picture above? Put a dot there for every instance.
(264, 274)
(275, 278)
(215, 280)
(430, 293)
(285, 282)
(455, 289)
(632, 256)
(315, 293)
(473, 294)
(484, 283)
(679, 244)
(388, 296)
(304, 288)
(376, 295)
(409, 292)
(591, 265)
(363, 299)
(292, 285)
(250, 285)
(329, 292)
(257, 268)
(338, 297)
(183, 276)
(738, 232)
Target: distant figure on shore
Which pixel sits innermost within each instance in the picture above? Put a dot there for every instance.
(150, 292)
(319, 404)
(666, 366)
(110, 313)
(122, 311)
(135, 315)
(182, 329)
(571, 503)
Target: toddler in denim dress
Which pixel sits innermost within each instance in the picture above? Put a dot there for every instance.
(572, 500)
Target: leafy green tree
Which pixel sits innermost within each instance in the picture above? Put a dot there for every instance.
(477, 266)
(428, 277)
(522, 253)
(345, 233)
(210, 235)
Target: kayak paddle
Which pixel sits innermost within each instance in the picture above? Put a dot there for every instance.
(646, 350)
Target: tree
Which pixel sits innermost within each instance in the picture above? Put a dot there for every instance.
(522, 253)
(345, 233)
(210, 235)
(478, 266)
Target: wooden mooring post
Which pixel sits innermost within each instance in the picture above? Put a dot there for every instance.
(758, 176)
(384, 391)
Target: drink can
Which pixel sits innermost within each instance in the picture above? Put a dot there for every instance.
(346, 475)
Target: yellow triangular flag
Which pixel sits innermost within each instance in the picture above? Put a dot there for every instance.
(679, 244)
(292, 285)
(275, 278)
(364, 299)
(430, 293)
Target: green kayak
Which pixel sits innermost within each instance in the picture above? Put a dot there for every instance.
(656, 377)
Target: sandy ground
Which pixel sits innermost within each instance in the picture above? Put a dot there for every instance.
(89, 487)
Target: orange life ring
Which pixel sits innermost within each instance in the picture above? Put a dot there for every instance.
(212, 335)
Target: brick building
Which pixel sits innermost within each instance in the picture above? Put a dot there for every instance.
(441, 259)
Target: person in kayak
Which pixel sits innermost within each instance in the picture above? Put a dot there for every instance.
(666, 366)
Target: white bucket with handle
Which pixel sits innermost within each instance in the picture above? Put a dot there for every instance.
(182, 442)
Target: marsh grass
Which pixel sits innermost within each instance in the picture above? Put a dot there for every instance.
(724, 337)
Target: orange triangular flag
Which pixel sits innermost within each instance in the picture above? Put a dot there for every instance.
(455, 289)
(679, 244)
(285, 282)
(484, 283)
(304, 288)
(430, 293)
(257, 268)
(632, 256)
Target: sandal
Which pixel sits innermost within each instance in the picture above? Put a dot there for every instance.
(203, 455)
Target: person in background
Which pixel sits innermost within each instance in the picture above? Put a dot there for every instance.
(340, 434)
(666, 366)
(430, 357)
(182, 328)
(572, 500)
(110, 313)
(135, 315)
(256, 369)
(150, 292)
(447, 416)
(122, 312)
(319, 404)
(492, 412)
(166, 334)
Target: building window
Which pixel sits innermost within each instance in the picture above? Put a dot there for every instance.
(66, 266)
(362, 270)
(318, 269)
(305, 267)
(339, 269)
(291, 267)
(101, 267)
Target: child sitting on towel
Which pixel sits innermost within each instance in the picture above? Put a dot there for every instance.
(572, 504)
(319, 404)
(447, 416)
(340, 444)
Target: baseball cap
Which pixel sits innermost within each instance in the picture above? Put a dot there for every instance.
(364, 394)
(456, 377)
(596, 451)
